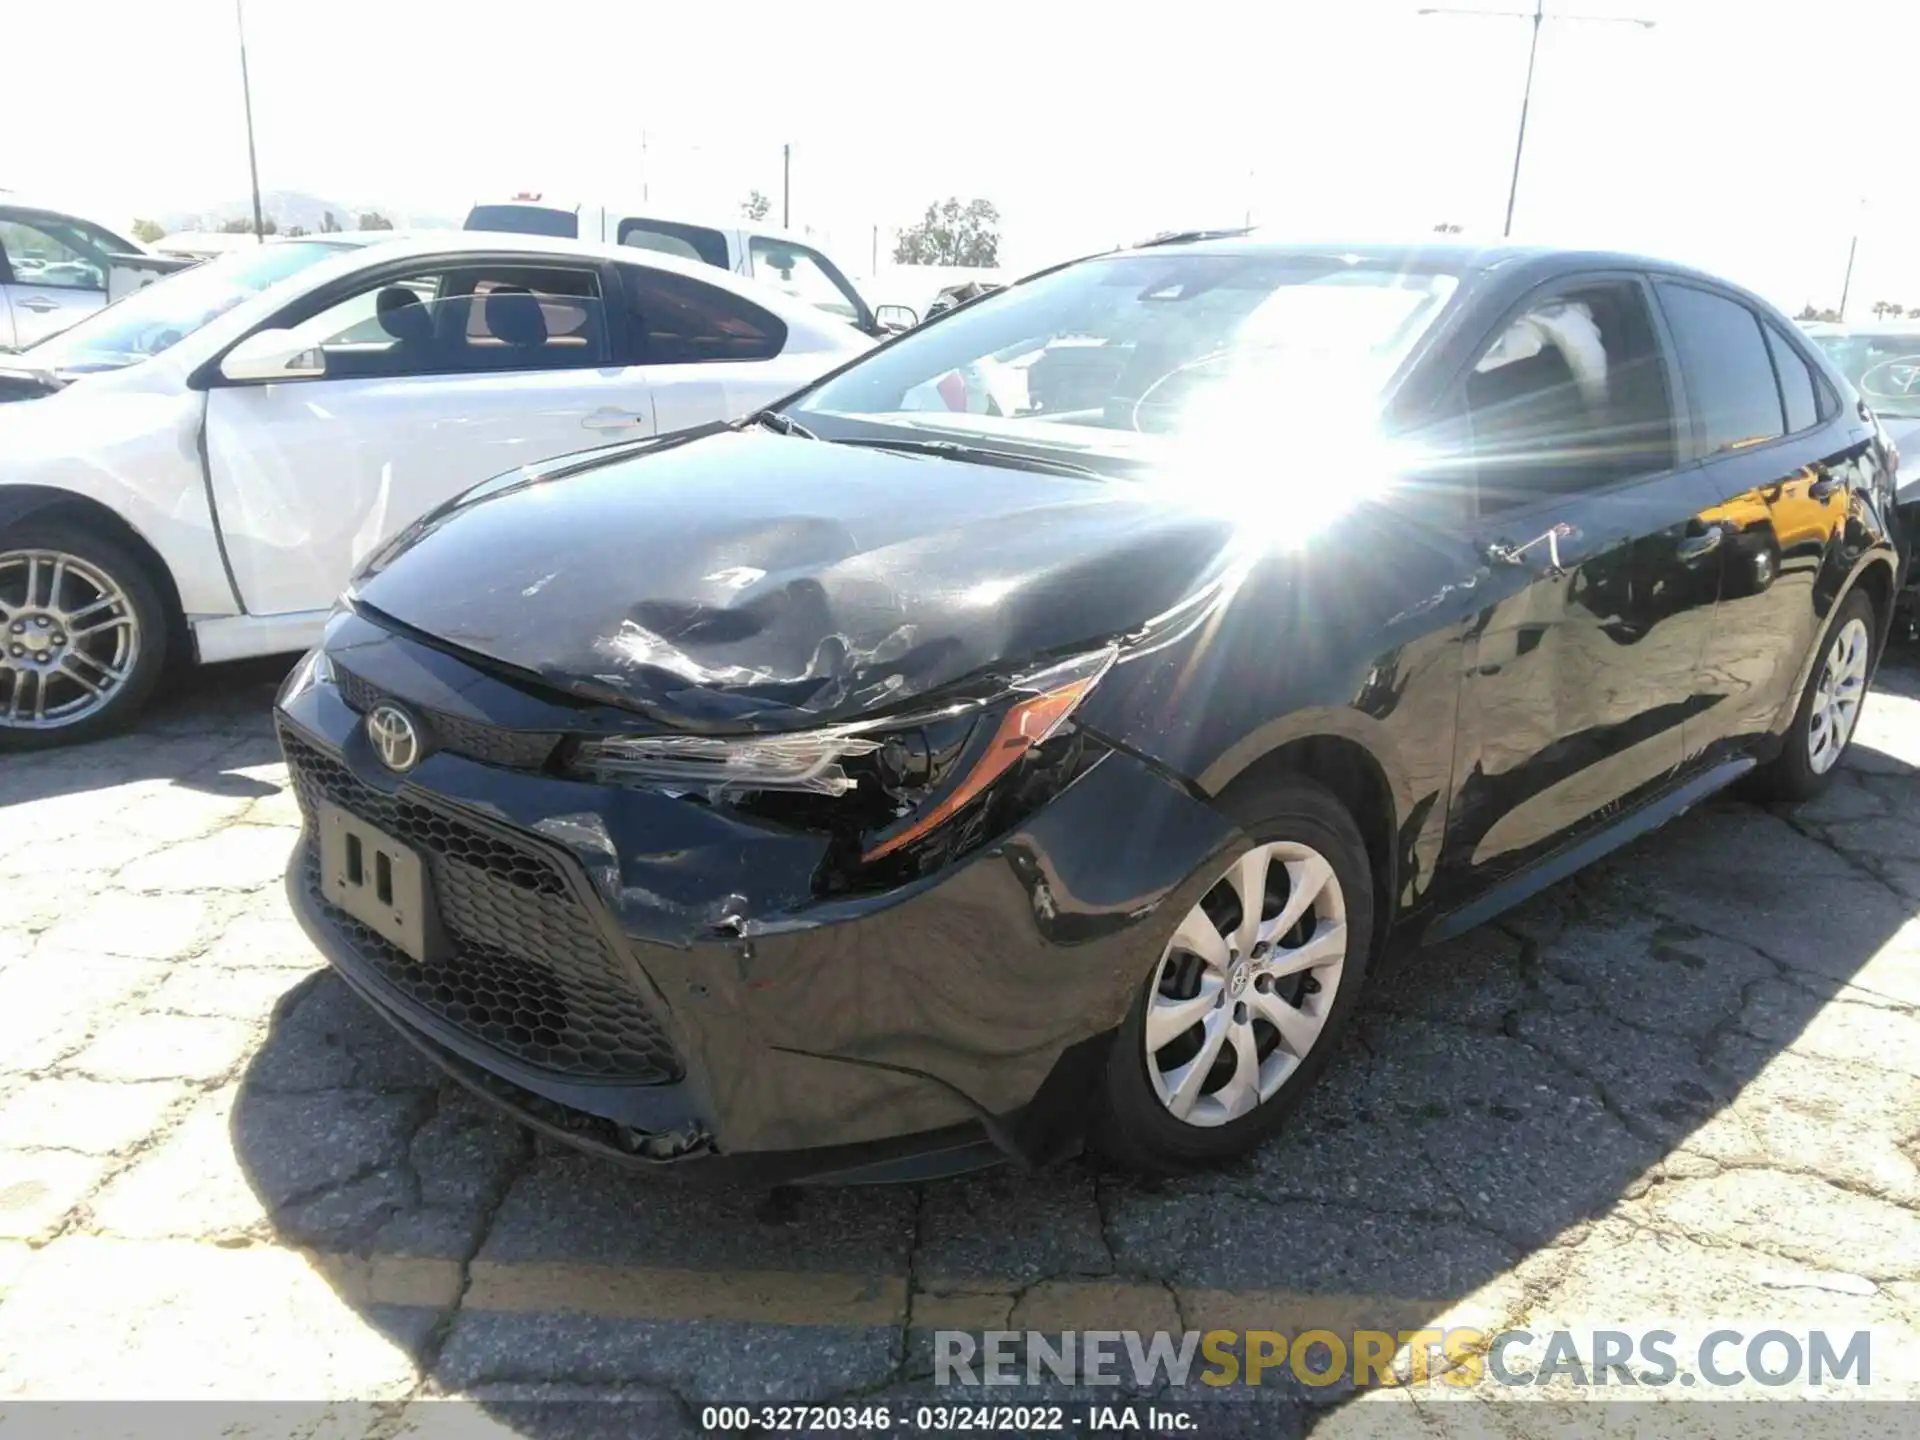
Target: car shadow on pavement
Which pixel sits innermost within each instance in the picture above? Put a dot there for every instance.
(1654, 1090)
(200, 731)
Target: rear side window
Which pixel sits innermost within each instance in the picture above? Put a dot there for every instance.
(669, 237)
(1799, 392)
(1729, 373)
(675, 320)
(525, 220)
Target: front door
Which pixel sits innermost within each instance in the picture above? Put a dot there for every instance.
(436, 380)
(1582, 660)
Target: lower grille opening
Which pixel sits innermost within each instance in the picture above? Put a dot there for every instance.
(527, 969)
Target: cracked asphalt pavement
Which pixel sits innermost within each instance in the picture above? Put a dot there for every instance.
(1684, 1085)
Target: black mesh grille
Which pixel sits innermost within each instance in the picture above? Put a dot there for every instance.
(514, 749)
(527, 969)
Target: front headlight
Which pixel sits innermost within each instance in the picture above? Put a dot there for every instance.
(890, 782)
(314, 668)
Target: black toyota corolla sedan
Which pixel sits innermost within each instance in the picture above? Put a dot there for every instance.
(1030, 733)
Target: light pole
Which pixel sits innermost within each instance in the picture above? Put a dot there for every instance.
(1853, 248)
(246, 97)
(1538, 16)
(786, 187)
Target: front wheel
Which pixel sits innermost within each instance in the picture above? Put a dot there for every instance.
(83, 635)
(1245, 1003)
(1829, 709)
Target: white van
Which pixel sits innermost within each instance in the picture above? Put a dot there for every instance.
(764, 252)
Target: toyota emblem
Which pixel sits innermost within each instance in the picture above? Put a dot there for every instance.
(396, 739)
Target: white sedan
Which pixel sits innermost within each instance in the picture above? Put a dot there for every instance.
(207, 462)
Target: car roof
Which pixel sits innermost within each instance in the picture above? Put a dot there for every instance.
(1459, 254)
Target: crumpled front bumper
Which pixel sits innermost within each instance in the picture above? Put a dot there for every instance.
(935, 1027)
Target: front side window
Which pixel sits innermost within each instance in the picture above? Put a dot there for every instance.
(44, 255)
(463, 319)
(1571, 396)
(801, 273)
(673, 319)
(1730, 379)
(1884, 366)
(156, 317)
(1132, 357)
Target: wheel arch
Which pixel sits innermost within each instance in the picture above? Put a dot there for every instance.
(43, 502)
(1356, 774)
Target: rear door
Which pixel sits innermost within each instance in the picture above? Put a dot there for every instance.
(1582, 657)
(1782, 460)
(707, 353)
(50, 278)
(438, 377)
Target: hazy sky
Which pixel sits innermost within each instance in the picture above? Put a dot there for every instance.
(1737, 134)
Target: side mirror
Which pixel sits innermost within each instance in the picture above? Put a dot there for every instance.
(273, 355)
(895, 318)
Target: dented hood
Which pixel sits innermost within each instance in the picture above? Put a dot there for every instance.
(753, 581)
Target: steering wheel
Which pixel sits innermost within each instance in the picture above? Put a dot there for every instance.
(1894, 379)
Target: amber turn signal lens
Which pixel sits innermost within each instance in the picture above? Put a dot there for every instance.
(1024, 726)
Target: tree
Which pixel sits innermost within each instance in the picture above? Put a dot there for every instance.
(1446, 227)
(295, 230)
(1883, 309)
(755, 206)
(374, 220)
(148, 231)
(328, 225)
(952, 234)
(1808, 312)
(244, 226)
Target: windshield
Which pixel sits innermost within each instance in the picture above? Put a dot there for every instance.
(1884, 367)
(1109, 357)
(161, 315)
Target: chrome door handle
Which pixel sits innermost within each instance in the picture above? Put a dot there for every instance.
(37, 305)
(612, 420)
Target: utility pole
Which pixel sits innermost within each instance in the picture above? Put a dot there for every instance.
(1853, 248)
(246, 97)
(645, 179)
(873, 267)
(1538, 16)
(786, 187)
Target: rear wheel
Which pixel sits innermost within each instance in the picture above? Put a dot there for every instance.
(1829, 709)
(1244, 1004)
(83, 635)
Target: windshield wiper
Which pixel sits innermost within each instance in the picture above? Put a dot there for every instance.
(781, 424)
(977, 455)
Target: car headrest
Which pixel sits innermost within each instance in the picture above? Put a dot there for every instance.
(402, 315)
(515, 316)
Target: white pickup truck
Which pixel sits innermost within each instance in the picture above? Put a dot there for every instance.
(768, 254)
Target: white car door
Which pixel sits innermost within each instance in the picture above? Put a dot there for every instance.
(436, 379)
(48, 284)
(707, 352)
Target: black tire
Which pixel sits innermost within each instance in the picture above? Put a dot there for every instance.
(130, 573)
(1790, 777)
(1135, 1128)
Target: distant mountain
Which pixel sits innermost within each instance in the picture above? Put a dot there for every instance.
(288, 208)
